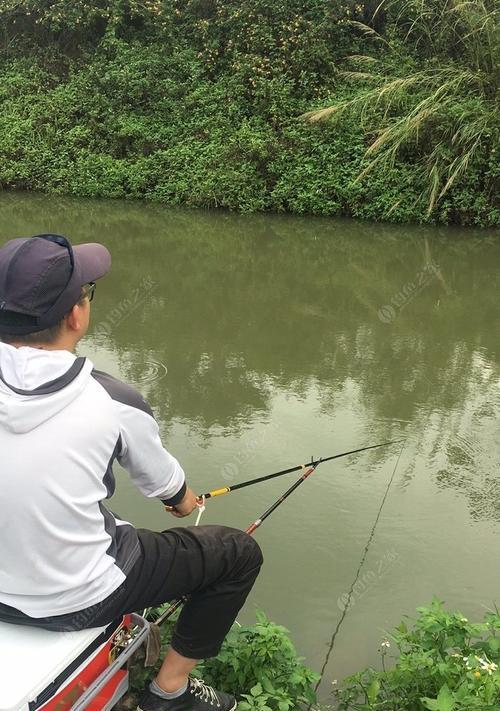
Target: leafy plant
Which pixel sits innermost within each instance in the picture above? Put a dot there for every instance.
(257, 663)
(445, 663)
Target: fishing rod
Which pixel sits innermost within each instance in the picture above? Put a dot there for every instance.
(307, 472)
(258, 522)
(250, 530)
(250, 482)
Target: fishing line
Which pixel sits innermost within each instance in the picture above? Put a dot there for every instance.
(358, 572)
(201, 510)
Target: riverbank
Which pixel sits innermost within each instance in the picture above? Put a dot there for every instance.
(201, 104)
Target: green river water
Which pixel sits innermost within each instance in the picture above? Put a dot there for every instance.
(262, 340)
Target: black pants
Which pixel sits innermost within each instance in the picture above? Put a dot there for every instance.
(215, 566)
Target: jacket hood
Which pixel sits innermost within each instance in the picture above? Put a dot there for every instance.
(35, 385)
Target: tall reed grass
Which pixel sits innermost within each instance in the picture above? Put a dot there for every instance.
(442, 109)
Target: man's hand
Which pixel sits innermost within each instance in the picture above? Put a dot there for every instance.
(184, 507)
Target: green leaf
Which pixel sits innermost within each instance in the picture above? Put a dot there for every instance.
(462, 692)
(373, 691)
(261, 617)
(256, 690)
(446, 699)
(266, 683)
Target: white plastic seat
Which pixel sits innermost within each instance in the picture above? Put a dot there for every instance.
(31, 658)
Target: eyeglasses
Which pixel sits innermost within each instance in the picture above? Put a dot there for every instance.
(90, 290)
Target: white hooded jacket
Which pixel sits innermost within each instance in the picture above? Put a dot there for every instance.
(62, 424)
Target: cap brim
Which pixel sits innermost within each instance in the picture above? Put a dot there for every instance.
(92, 260)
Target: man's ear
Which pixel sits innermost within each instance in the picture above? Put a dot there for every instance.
(73, 319)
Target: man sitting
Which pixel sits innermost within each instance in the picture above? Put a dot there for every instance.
(66, 562)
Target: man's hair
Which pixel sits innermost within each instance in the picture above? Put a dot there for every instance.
(48, 336)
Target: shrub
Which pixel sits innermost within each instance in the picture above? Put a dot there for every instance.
(258, 664)
(445, 663)
(198, 103)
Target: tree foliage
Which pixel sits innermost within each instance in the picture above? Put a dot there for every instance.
(198, 103)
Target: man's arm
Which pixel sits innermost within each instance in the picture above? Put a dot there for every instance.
(154, 471)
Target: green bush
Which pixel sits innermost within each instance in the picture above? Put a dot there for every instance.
(197, 103)
(258, 664)
(445, 663)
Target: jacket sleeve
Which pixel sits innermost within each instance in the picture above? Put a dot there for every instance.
(152, 469)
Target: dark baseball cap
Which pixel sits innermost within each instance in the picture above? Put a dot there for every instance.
(41, 279)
